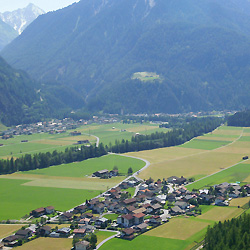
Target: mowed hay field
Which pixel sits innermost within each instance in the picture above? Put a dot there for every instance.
(239, 202)
(6, 230)
(48, 244)
(221, 213)
(62, 186)
(178, 228)
(199, 159)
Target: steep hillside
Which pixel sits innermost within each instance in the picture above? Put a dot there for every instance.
(21, 18)
(7, 34)
(23, 100)
(199, 51)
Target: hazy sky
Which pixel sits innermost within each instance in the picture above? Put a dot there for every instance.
(46, 5)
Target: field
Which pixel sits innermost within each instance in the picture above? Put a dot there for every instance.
(45, 142)
(6, 230)
(146, 76)
(102, 235)
(48, 244)
(221, 213)
(197, 158)
(178, 228)
(239, 202)
(237, 173)
(146, 243)
(63, 186)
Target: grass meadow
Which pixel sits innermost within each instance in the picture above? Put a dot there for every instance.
(63, 186)
(146, 243)
(48, 244)
(6, 229)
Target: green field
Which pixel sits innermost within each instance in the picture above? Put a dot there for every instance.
(45, 142)
(205, 144)
(88, 167)
(145, 243)
(237, 173)
(18, 200)
(63, 186)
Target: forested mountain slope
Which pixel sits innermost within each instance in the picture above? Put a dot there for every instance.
(196, 53)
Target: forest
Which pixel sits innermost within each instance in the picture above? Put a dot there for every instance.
(229, 235)
(240, 119)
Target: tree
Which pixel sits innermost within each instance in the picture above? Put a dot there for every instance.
(130, 171)
(93, 241)
(115, 168)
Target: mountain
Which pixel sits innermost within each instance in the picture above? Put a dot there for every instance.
(21, 18)
(23, 100)
(143, 55)
(7, 34)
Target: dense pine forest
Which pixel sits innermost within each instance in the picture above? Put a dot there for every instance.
(240, 119)
(229, 235)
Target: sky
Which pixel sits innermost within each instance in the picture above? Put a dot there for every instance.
(46, 5)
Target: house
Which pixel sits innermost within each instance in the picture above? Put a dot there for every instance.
(11, 241)
(154, 209)
(177, 180)
(85, 221)
(64, 232)
(142, 228)
(219, 201)
(1, 245)
(102, 173)
(54, 235)
(101, 222)
(99, 208)
(82, 245)
(182, 204)
(75, 133)
(130, 202)
(82, 141)
(176, 210)
(38, 212)
(155, 219)
(44, 230)
(139, 218)
(113, 173)
(93, 203)
(126, 220)
(24, 233)
(66, 216)
(130, 209)
(79, 233)
(80, 209)
(140, 210)
(49, 210)
(128, 233)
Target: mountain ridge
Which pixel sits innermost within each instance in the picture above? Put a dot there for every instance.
(199, 48)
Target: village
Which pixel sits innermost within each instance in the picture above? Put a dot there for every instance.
(152, 204)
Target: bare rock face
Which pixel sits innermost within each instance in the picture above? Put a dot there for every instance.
(19, 19)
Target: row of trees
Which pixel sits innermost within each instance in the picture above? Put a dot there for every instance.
(195, 127)
(44, 160)
(233, 234)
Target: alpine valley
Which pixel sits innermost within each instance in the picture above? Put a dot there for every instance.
(162, 55)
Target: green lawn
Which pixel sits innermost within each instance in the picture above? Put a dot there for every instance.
(111, 216)
(237, 173)
(18, 200)
(145, 243)
(204, 144)
(102, 235)
(88, 167)
(245, 138)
